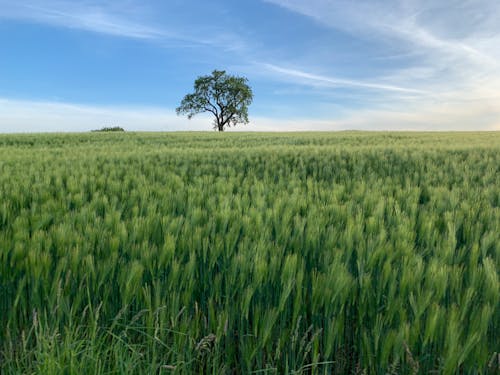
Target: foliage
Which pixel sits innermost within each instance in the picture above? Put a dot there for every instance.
(110, 129)
(295, 253)
(225, 96)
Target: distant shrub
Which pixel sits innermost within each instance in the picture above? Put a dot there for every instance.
(110, 129)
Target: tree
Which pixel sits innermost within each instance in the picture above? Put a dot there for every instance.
(227, 97)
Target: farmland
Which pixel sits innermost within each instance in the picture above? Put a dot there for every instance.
(239, 253)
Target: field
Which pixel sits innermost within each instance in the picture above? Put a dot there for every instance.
(248, 253)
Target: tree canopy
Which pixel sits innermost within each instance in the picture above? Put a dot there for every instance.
(226, 96)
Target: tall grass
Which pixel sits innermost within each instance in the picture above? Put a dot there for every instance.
(250, 253)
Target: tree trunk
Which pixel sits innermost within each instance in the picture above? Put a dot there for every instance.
(220, 126)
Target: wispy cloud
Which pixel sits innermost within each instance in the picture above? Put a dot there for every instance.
(414, 24)
(18, 116)
(454, 67)
(38, 116)
(314, 79)
(78, 15)
(123, 19)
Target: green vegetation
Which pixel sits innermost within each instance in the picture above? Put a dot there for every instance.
(225, 96)
(110, 129)
(208, 253)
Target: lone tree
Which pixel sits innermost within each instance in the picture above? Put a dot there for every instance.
(227, 97)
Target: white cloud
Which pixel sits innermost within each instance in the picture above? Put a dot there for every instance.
(38, 116)
(437, 117)
(402, 23)
(307, 78)
(79, 15)
(126, 19)
(453, 72)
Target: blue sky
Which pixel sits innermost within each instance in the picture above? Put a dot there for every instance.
(313, 65)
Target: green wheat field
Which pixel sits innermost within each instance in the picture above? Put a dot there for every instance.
(250, 253)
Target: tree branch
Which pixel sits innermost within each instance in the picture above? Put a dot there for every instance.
(210, 110)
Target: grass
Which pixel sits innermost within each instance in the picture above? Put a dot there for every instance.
(239, 253)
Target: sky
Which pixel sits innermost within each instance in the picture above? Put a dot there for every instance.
(77, 65)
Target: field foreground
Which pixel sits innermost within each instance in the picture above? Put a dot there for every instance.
(240, 253)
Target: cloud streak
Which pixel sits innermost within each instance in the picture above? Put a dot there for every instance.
(18, 117)
(82, 16)
(453, 64)
(408, 25)
(315, 80)
(123, 20)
